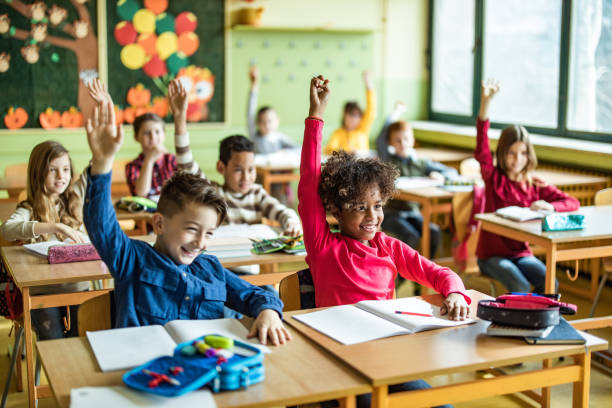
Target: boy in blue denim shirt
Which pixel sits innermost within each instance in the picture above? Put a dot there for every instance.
(170, 280)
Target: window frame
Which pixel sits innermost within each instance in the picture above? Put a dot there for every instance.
(561, 129)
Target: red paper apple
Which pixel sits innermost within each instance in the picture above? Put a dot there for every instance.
(155, 67)
(184, 22)
(125, 33)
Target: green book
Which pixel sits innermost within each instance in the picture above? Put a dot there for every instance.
(563, 333)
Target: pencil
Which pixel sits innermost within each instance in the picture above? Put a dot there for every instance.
(413, 313)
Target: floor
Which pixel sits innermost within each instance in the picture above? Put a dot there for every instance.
(601, 384)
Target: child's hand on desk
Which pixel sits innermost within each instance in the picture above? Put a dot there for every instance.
(434, 175)
(69, 232)
(293, 230)
(269, 325)
(319, 96)
(455, 306)
(542, 205)
(104, 137)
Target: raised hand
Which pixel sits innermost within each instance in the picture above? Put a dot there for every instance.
(367, 78)
(319, 96)
(177, 97)
(488, 89)
(104, 137)
(254, 75)
(98, 91)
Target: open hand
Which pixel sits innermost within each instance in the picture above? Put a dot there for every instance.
(489, 88)
(319, 96)
(268, 325)
(542, 205)
(71, 233)
(177, 97)
(104, 137)
(367, 78)
(254, 74)
(98, 91)
(455, 306)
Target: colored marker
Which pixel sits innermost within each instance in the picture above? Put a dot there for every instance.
(413, 313)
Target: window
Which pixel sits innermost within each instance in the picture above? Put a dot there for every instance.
(553, 58)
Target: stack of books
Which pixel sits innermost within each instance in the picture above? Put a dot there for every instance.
(562, 333)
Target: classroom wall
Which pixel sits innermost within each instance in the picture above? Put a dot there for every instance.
(396, 30)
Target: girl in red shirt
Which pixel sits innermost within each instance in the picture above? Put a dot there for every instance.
(507, 183)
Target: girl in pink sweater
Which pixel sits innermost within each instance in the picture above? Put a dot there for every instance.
(510, 183)
(359, 262)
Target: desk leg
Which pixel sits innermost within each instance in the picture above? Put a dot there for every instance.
(580, 398)
(545, 400)
(426, 212)
(551, 268)
(347, 402)
(595, 264)
(27, 328)
(380, 397)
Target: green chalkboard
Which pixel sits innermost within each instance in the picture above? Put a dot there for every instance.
(53, 79)
(137, 54)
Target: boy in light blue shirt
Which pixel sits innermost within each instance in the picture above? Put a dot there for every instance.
(172, 279)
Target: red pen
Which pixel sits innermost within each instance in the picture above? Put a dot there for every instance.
(413, 313)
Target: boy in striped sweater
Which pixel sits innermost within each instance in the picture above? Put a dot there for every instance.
(248, 203)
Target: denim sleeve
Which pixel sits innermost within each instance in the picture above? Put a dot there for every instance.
(114, 247)
(249, 299)
(431, 166)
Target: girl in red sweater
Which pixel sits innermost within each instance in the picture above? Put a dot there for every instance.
(507, 183)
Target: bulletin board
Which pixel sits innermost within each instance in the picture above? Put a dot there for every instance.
(46, 50)
(151, 42)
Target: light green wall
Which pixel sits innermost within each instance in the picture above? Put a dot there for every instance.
(395, 53)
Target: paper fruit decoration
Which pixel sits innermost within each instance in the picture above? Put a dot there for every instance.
(72, 118)
(185, 22)
(138, 96)
(50, 119)
(125, 33)
(199, 84)
(15, 118)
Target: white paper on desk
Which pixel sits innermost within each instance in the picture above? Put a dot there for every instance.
(42, 248)
(244, 231)
(117, 349)
(186, 330)
(124, 397)
(408, 183)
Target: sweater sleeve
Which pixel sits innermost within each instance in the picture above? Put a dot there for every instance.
(411, 265)
(483, 150)
(310, 207)
(369, 115)
(184, 157)
(274, 210)
(115, 248)
(560, 200)
(251, 106)
(132, 172)
(19, 226)
(335, 142)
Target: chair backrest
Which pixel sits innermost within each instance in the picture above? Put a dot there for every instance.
(96, 313)
(297, 291)
(603, 197)
(16, 174)
(119, 183)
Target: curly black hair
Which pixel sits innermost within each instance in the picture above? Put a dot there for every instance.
(345, 177)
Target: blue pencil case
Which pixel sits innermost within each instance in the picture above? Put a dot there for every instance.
(185, 372)
(563, 222)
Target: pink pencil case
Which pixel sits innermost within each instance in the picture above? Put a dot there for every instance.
(72, 253)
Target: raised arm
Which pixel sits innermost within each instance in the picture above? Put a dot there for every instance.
(482, 153)
(252, 102)
(177, 99)
(310, 206)
(370, 111)
(382, 142)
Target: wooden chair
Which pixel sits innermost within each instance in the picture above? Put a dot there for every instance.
(602, 197)
(297, 291)
(96, 313)
(119, 186)
(15, 176)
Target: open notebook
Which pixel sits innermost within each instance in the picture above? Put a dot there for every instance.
(42, 248)
(128, 347)
(376, 319)
(519, 214)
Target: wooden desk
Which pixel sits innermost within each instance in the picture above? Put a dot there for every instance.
(12, 188)
(271, 173)
(30, 271)
(594, 241)
(433, 200)
(446, 156)
(466, 348)
(580, 186)
(296, 373)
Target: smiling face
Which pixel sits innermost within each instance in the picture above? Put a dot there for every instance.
(362, 219)
(239, 172)
(151, 135)
(516, 159)
(402, 141)
(351, 119)
(59, 176)
(183, 236)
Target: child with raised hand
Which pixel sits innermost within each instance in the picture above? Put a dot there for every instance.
(354, 135)
(172, 279)
(52, 210)
(359, 262)
(263, 126)
(395, 144)
(510, 182)
(248, 203)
